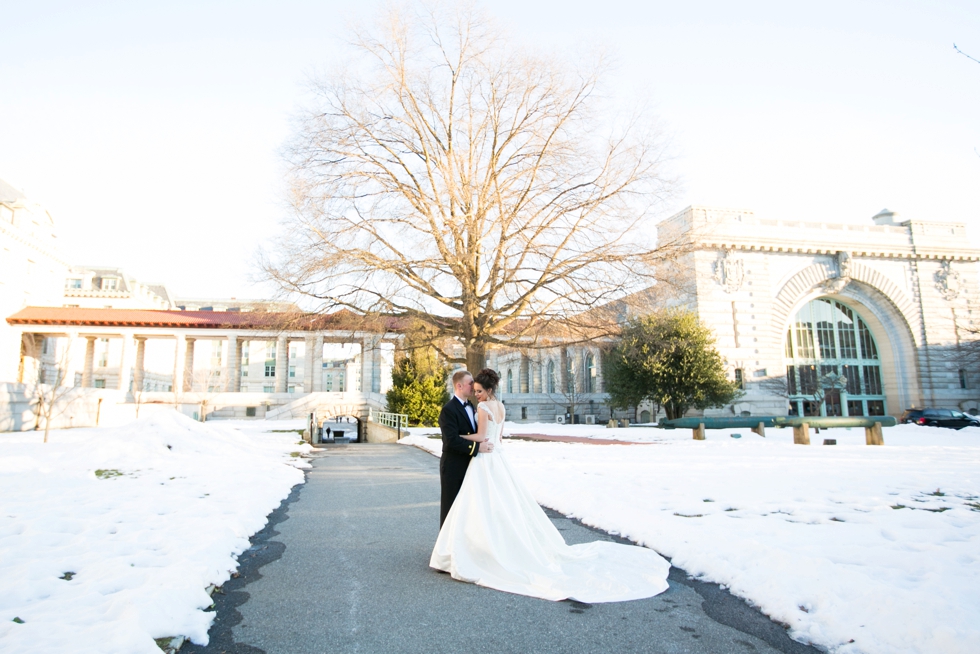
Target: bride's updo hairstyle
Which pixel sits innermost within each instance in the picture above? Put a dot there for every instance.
(488, 379)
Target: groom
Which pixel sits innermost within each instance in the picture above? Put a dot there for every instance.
(457, 419)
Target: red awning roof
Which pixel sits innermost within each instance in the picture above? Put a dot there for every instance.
(73, 316)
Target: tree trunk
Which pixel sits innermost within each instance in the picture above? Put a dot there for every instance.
(476, 357)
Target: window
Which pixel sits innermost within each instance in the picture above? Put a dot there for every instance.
(830, 350)
(250, 412)
(74, 283)
(292, 371)
(99, 383)
(109, 283)
(244, 371)
(291, 389)
(552, 382)
(739, 380)
(510, 381)
(268, 389)
(963, 379)
(270, 369)
(590, 374)
(872, 380)
(523, 413)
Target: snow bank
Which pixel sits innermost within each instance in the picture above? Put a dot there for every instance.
(856, 548)
(145, 517)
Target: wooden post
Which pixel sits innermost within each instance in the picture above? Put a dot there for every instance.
(801, 434)
(760, 429)
(873, 435)
(699, 432)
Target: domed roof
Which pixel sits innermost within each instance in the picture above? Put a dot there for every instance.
(9, 194)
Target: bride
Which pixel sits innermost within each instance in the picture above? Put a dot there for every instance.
(497, 536)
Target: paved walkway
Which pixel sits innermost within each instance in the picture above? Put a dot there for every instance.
(343, 567)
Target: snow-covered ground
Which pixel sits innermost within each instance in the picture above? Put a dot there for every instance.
(857, 548)
(109, 537)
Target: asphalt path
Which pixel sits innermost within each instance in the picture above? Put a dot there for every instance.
(342, 566)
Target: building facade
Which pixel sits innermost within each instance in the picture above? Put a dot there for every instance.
(835, 319)
(811, 319)
(32, 268)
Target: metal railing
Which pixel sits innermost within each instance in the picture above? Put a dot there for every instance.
(397, 421)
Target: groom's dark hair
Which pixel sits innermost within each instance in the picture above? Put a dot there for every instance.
(459, 375)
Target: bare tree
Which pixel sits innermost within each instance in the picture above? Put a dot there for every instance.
(45, 380)
(478, 190)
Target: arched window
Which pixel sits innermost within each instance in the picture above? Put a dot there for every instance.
(832, 365)
(590, 385)
(510, 380)
(552, 381)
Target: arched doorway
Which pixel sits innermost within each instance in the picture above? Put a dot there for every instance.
(832, 363)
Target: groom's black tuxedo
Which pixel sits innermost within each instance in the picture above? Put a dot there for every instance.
(456, 451)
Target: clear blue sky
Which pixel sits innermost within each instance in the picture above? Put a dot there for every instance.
(151, 130)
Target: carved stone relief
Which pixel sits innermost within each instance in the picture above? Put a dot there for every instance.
(730, 271)
(842, 273)
(948, 281)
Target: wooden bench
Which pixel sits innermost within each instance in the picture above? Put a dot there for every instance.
(801, 425)
(872, 426)
(757, 424)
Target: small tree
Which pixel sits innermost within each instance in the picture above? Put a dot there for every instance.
(625, 385)
(669, 358)
(45, 384)
(418, 387)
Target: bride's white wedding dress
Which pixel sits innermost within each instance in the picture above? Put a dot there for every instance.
(497, 536)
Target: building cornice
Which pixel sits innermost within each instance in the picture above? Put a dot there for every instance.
(32, 242)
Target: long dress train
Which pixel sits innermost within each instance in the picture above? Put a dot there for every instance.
(497, 536)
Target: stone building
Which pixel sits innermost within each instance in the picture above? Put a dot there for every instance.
(836, 319)
(812, 319)
(32, 268)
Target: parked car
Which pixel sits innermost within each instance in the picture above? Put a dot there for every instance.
(940, 418)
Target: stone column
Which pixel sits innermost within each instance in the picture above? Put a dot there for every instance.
(233, 364)
(370, 381)
(282, 363)
(188, 378)
(138, 369)
(180, 349)
(317, 365)
(307, 364)
(89, 369)
(524, 376)
(563, 372)
(125, 356)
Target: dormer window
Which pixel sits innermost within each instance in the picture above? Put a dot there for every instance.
(109, 283)
(74, 283)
